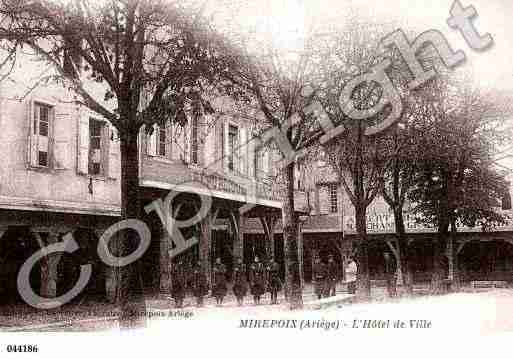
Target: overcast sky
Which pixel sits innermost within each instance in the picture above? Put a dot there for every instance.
(287, 21)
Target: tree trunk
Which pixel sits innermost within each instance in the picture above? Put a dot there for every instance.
(130, 296)
(363, 289)
(205, 246)
(290, 236)
(403, 251)
(438, 254)
(437, 275)
(442, 232)
(454, 274)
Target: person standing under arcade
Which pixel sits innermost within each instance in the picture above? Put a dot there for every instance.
(199, 284)
(331, 277)
(318, 276)
(178, 283)
(257, 280)
(273, 280)
(219, 288)
(240, 284)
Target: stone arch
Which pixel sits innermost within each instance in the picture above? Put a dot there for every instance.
(16, 246)
(486, 259)
(69, 266)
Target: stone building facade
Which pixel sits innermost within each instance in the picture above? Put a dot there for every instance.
(471, 254)
(60, 175)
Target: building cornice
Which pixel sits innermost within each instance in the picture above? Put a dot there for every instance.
(30, 204)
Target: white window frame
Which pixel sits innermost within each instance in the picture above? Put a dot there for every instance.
(233, 154)
(158, 151)
(261, 162)
(35, 136)
(333, 197)
(153, 149)
(195, 147)
(103, 151)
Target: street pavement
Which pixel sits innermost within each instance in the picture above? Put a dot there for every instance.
(482, 313)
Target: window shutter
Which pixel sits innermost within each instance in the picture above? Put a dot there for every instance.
(193, 124)
(297, 176)
(169, 140)
(242, 150)
(224, 144)
(83, 144)
(273, 161)
(219, 144)
(261, 163)
(32, 137)
(105, 149)
(250, 153)
(266, 161)
(317, 204)
(177, 142)
(506, 200)
(59, 147)
(324, 200)
(215, 145)
(50, 143)
(187, 142)
(114, 163)
(202, 131)
(151, 142)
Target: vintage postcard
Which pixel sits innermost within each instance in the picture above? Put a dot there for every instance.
(243, 178)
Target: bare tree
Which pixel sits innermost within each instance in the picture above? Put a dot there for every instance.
(359, 159)
(280, 85)
(154, 60)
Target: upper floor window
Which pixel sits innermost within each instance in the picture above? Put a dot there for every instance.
(194, 141)
(233, 144)
(158, 142)
(333, 197)
(96, 165)
(299, 175)
(259, 162)
(98, 152)
(40, 139)
(162, 138)
(506, 201)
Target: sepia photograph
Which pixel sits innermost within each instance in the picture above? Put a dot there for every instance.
(240, 178)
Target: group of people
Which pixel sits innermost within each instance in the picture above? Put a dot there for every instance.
(259, 278)
(325, 277)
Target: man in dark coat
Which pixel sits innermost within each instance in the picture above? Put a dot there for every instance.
(178, 282)
(240, 283)
(219, 288)
(257, 280)
(331, 277)
(318, 276)
(199, 283)
(273, 280)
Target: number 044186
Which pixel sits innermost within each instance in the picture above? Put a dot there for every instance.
(25, 348)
